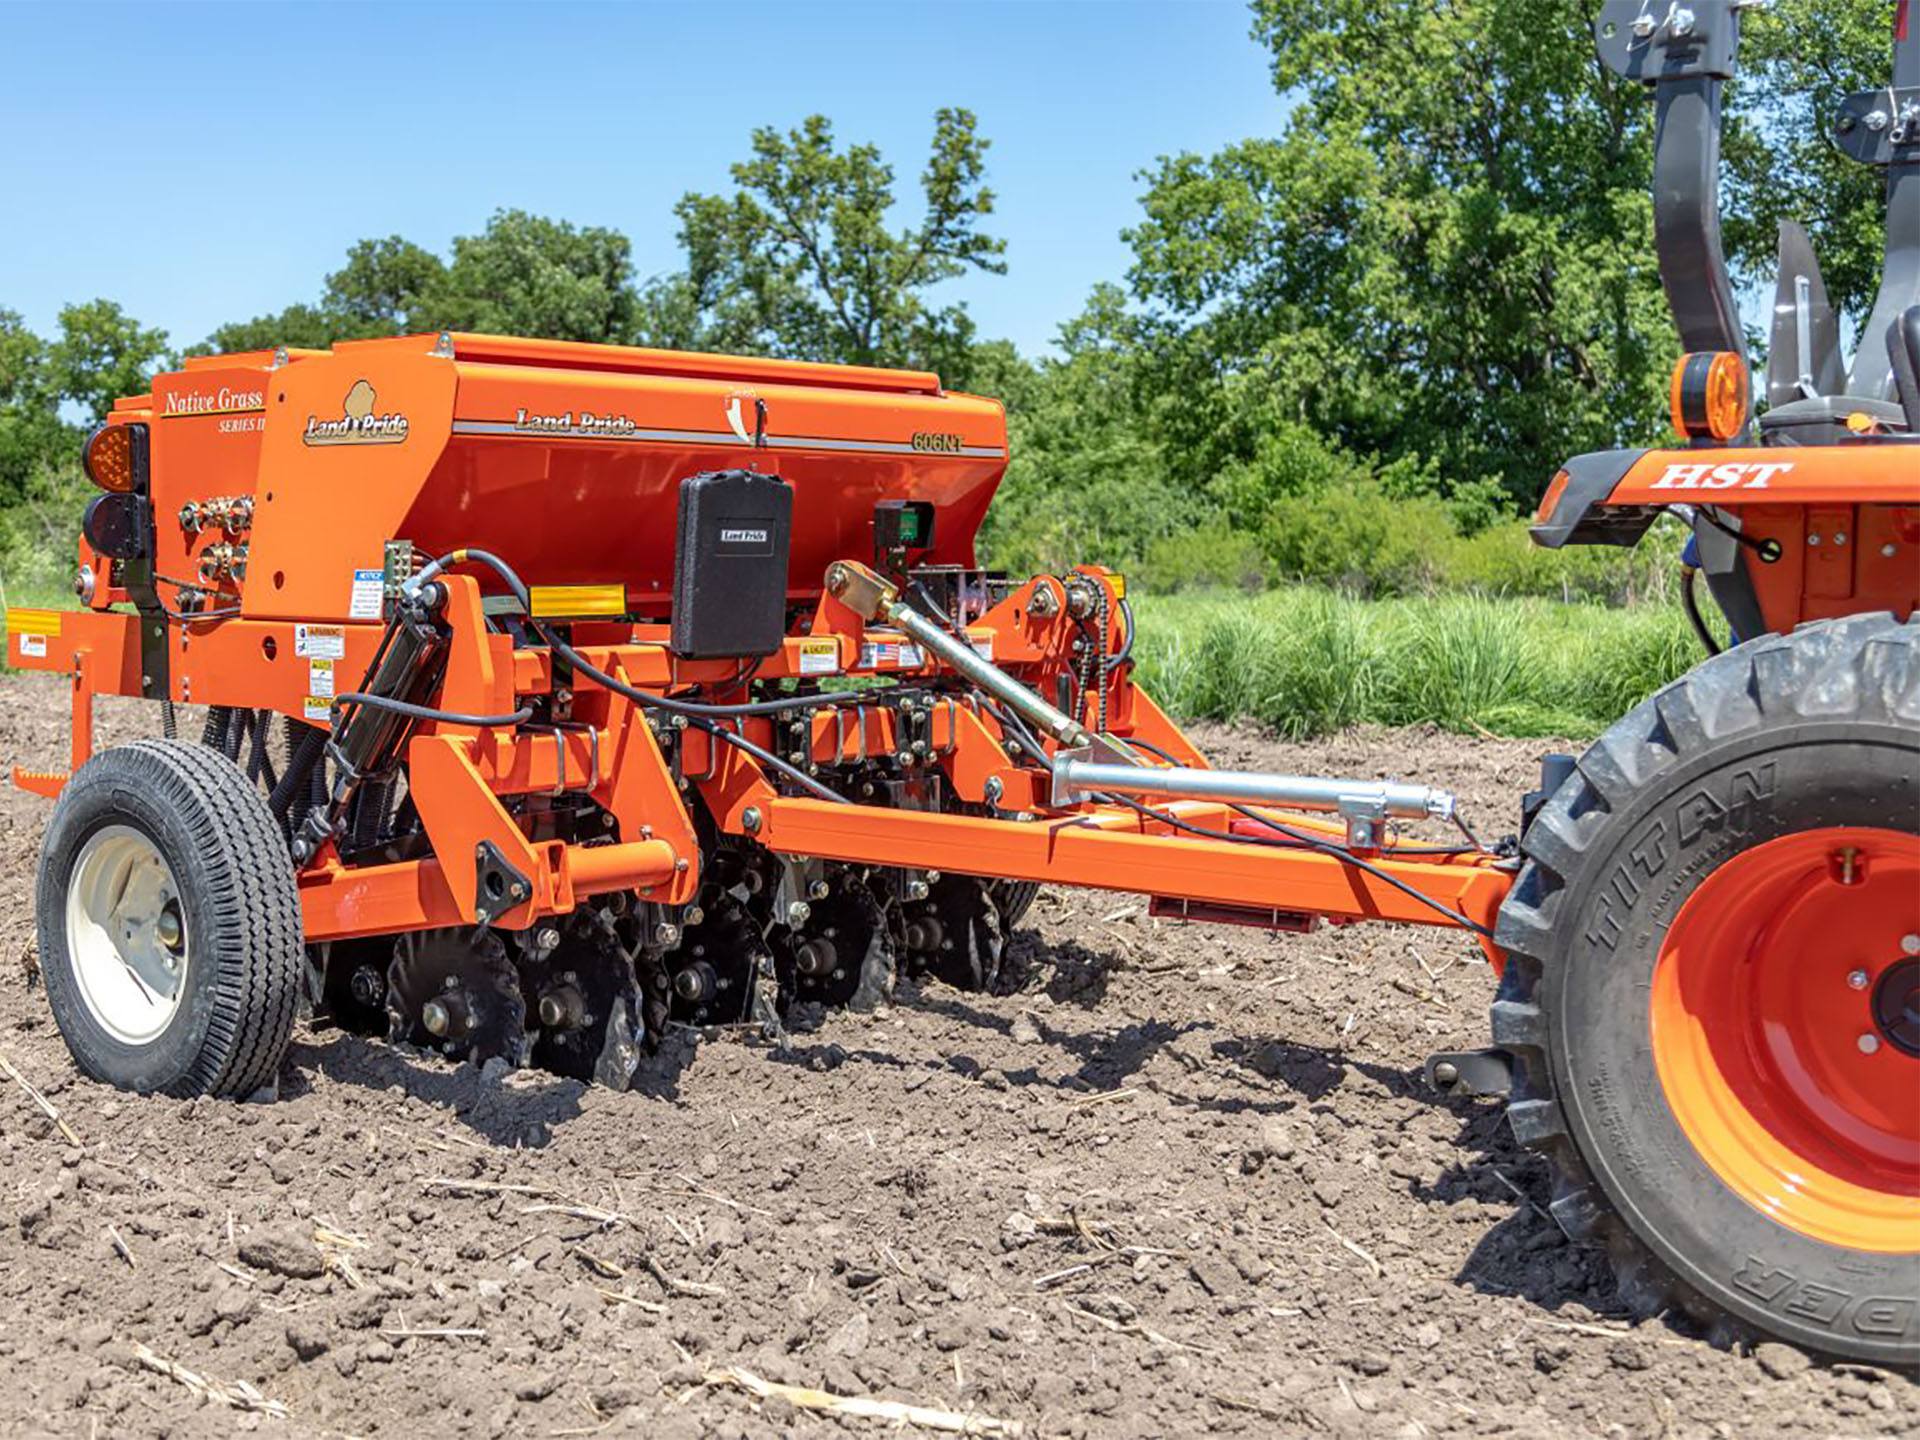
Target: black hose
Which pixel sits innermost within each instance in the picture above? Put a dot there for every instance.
(259, 762)
(427, 712)
(700, 716)
(1301, 838)
(1690, 603)
(689, 708)
(1125, 652)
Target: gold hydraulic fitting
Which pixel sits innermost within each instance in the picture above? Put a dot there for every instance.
(221, 560)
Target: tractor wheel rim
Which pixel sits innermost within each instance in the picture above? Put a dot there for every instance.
(1773, 997)
(126, 935)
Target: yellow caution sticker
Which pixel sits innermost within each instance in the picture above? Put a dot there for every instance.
(819, 657)
(574, 602)
(24, 621)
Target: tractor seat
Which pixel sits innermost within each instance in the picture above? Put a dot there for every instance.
(1823, 419)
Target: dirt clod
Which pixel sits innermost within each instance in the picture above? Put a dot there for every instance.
(283, 1250)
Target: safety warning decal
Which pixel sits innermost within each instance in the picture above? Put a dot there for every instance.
(819, 657)
(320, 642)
(320, 677)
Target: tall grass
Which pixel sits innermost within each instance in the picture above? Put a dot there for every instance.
(1306, 661)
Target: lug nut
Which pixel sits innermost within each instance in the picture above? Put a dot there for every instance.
(166, 929)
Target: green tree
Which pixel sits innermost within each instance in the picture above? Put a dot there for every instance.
(1446, 252)
(377, 292)
(102, 354)
(531, 276)
(800, 259)
(30, 430)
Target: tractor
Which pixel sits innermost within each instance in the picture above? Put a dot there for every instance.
(557, 695)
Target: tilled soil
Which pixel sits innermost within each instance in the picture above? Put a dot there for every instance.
(1180, 1181)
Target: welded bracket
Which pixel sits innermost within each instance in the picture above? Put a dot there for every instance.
(497, 885)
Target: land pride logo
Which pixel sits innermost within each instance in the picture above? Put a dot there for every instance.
(360, 423)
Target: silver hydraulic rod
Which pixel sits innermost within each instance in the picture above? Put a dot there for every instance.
(1075, 776)
(1056, 723)
(1364, 803)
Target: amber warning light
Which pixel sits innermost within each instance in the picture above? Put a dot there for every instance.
(1711, 395)
(113, 455)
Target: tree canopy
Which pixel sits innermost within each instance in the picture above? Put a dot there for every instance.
(1429, 285)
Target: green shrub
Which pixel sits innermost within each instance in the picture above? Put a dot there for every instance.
(1211, 557)
(1359, 538)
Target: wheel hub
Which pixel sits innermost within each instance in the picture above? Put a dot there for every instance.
(1896, 1005)
(1785, 1022)
(126, 934)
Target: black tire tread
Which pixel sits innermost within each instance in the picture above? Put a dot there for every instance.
(1865, 667)
(254, 936)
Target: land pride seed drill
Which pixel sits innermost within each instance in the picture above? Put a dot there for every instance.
(560, 692)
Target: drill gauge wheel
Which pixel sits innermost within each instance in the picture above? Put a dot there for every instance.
(844, 954)
(456, 992)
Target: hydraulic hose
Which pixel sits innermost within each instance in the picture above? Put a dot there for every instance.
(701, 716)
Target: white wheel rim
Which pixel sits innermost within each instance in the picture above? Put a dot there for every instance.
(126, 934)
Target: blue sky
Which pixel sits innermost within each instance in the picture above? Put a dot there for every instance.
(200, 163)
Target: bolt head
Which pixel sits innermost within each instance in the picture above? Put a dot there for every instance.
(1446, 1072)
(434, 1018)
(1910, 944)
(798, 913)
(1869, 1044)
(750, 819)
(1857, 979)
(666, 933)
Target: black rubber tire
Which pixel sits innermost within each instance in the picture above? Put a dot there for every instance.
(242, 913)
(1784, 733)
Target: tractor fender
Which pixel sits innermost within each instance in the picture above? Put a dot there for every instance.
(1579, 515)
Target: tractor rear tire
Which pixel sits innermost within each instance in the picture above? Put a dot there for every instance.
(169, 923)
(1710, 993)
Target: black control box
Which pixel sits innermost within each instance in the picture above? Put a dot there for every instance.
(730, 564)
